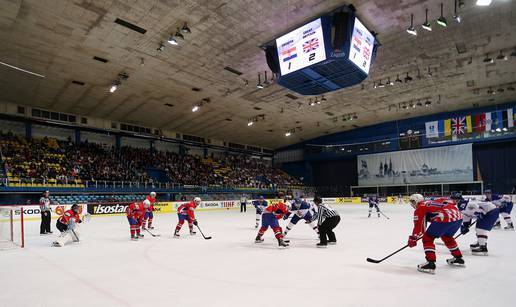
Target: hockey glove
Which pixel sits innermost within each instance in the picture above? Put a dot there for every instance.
(464, 229)
(195, 222)
(412, 241)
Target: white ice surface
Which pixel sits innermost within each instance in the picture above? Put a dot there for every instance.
(107, 269)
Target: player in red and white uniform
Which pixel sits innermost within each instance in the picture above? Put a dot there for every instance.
(270, 217)
(445, 219)
(186, 212)
(135, 212)
(67, 225)
(148, 216)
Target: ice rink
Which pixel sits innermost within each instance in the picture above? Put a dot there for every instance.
(107, 269)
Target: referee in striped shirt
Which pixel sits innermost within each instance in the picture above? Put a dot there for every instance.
(328, 219)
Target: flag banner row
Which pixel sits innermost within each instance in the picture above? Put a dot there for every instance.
(497, 121)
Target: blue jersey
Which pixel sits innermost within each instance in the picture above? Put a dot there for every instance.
(303, 210)
(373, 201)
(462, 203)
(260, 205)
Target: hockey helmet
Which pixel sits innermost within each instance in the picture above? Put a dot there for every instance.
(153, 194)
(416, 199)
(197, 200)
(146, 203)
(455, 195)
(75, 208)
(317, 200)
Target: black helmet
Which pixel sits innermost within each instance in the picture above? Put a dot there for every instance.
(455, 195)
(317, 199)
(75, 208)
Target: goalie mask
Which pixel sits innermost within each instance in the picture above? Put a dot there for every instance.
(75, 208)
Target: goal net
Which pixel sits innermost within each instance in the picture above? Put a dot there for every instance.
(11, 227)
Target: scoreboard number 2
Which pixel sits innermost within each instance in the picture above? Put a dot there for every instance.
(311, 57)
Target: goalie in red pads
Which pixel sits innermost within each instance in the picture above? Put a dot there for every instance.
(135, 213)
(186, 212)
(270, 218)
(445, 219)
(67, 225)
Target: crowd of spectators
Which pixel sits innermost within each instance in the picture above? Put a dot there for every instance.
(47, 159)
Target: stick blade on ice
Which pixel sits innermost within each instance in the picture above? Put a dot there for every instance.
(373, 260)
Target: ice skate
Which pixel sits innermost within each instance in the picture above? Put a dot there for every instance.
(509, 226)
(192, 232)
(134, 238)
(258, 239)
(474, 245)
(321, 245)
(427, 267)
(56, 244)
(281, 243)
(369, 215)
(497, 225)
(332, 242)
(176, 234)
(481, 250)
(140, 235)
(456, 261)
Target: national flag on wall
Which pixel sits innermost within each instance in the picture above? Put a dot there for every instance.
(510, 118)
(432, 129)
(489, 122)
(499, 120)
(469, 125)
(447, 127)
(458, 125)
(480, 122)
(440, 126)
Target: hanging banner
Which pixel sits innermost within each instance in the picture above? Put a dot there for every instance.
(441, 164)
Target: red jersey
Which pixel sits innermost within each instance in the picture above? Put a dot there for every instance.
(278, 209)
(434, 211)
(152, 200)
(187, 209)
(68, 215)
(135, 210)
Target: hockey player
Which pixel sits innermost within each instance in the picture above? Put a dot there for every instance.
(373, 203)
(445, 219)
(260, 205)
(486, 214)
(270, 218)
(185, 212)
(505, 211)
(135, 212)
(301, 210)
(496, 200)
(148, 204)
(459, 200)
(67, 225)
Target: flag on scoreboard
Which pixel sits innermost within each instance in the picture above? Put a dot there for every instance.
(432, 129)
(440, 126)
(488, 121)
(310, 45)
(480, 122)
(469, 126)
(447, 127)
(458, 125)
(510, 118)
(289, 54)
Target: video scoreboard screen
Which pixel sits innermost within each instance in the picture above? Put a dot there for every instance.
(362, 44)
(301, 48)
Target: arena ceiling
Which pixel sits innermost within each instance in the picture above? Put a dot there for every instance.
(59, 39)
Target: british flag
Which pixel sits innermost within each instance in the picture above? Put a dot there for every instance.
(311, 45)
(459, 125)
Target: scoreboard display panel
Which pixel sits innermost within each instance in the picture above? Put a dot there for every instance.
(301, 47)
(362, 44)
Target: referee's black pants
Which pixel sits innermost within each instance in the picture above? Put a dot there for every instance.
(45, 222)
(243, 207)
(326, 229)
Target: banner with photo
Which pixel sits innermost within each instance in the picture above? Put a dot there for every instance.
(441, 164)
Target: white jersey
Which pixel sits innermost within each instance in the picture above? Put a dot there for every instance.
(475, 208)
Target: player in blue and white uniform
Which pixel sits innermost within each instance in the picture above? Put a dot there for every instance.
(495, 199)
(485, 214)
(301, 210)
(505, 208)
(260, 205)
(373, 203)
(460, 201)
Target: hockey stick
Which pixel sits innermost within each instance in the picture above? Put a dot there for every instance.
(75, 235)
(390, 255)
(205, 237)
(152, 234)
(384, 215)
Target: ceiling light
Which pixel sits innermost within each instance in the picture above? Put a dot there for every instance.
(398, 80)
(311, 103)
(380, 84)
(500, 90)
(488, 59)
(374, 85)
(287, 133)
(323, 98)
(483, 2)
(172, 40)
(498, 130)
(408, 78)
(317, 101)
(501, 56)
(491, 92)
(427, 26)
(411, 29)
(456, 14)
(355, 116)
(22, 70)
(259, 85)
(419, 104)
(389, 82)
(429, 74)
(250, 123)
(441, 20)
(195, 108)
(413, 106)
(427, 103)
(185, 29)
(113, 88)
(504, 129)
(510, 88)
